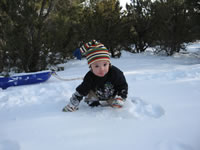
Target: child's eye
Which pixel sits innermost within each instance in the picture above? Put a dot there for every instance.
(96, 66)
(105, 65)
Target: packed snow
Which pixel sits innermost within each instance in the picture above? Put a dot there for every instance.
(161, 112)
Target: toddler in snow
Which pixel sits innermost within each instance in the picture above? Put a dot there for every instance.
(104, 83)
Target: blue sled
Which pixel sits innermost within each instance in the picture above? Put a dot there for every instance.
(31, 78)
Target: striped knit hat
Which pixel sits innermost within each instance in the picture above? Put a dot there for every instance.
(95, 51)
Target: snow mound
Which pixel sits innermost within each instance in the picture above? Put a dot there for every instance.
(177, 73)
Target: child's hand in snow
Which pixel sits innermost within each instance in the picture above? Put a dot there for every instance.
(70, 108)
(118, 102)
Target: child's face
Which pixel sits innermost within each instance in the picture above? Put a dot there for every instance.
(100, 68)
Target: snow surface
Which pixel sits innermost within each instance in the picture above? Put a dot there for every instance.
(161, 113)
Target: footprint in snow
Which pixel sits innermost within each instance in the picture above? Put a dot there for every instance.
(140, 109)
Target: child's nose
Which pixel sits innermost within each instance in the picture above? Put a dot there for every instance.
(101, 68)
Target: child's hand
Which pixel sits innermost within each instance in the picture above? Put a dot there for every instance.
(73, 103)
(70, 108)
(118, 102)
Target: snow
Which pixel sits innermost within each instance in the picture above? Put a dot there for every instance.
(161, 112)
(124, 2)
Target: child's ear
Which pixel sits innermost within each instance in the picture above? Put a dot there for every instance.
(90, 68)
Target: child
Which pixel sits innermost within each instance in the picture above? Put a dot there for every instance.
(104, 83)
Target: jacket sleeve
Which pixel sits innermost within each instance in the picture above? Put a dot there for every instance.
(121, 85)
(85, 86)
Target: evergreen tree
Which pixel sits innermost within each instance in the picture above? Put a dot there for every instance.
(64, 30)
(22, 35)
(140, 24)
(172, 28)
(37, 34)
(103, 22)
(193, 8)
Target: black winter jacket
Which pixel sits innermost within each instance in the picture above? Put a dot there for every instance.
(112, 84)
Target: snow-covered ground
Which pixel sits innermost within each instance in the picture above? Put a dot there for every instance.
(161, 113)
